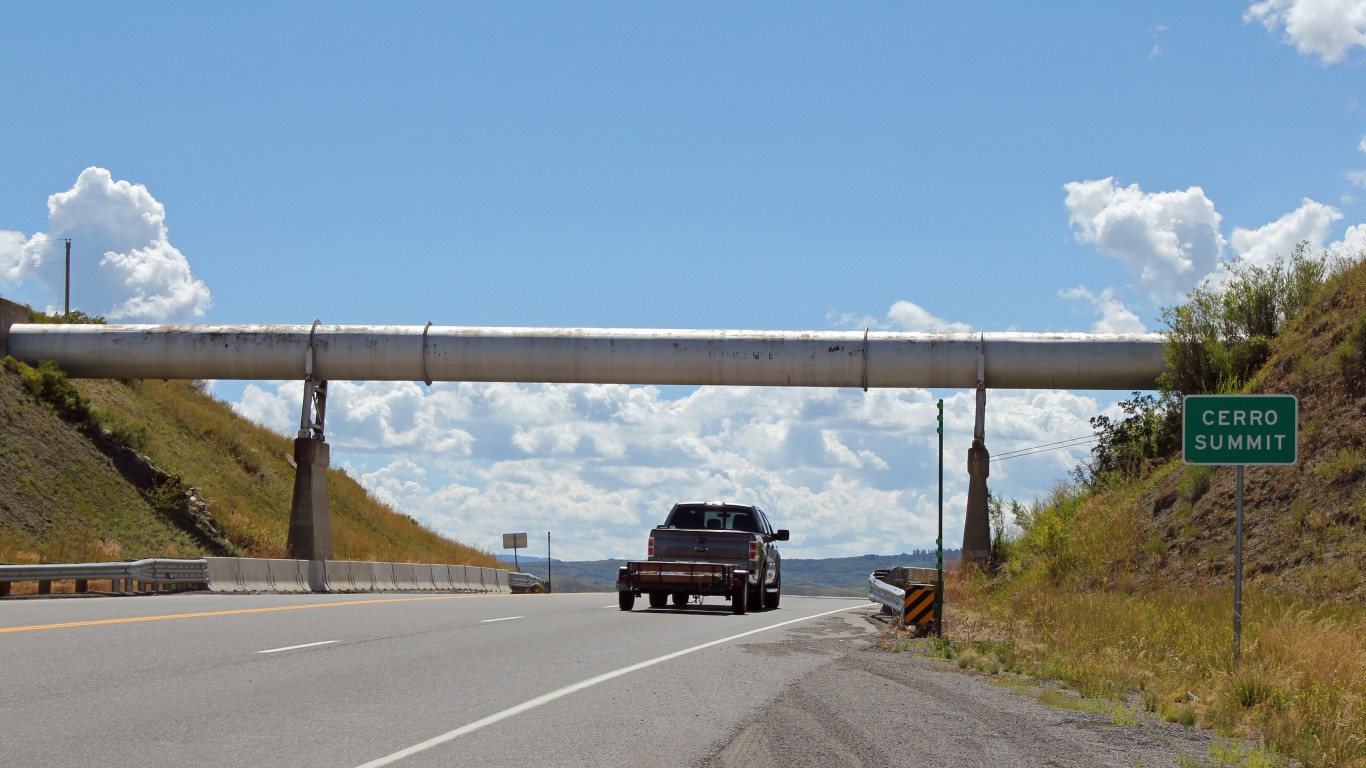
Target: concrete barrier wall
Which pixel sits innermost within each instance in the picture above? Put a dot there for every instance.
(337, 576)
(251, 574)
(384, 577)
(225, 574)
(405, 576)
(363, 576)
(426, 576)
(459, 580)
(255, 574)
(289, 575)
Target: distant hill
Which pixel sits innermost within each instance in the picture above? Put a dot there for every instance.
(836, 576)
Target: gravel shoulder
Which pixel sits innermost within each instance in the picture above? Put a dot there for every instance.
(870, 707)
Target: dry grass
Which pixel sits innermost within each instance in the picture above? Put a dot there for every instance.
(61, 500)
(1300, 687)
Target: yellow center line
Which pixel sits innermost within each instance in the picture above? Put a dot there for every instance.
(165, 617)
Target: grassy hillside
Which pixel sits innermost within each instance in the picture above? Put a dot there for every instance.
(1121, 587)
(96, 470)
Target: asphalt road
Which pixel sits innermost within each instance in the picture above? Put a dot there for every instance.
(407, 680)
(360, 681)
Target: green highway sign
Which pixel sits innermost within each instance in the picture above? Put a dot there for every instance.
(1239, 429)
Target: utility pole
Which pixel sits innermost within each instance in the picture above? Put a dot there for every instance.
(67, 308)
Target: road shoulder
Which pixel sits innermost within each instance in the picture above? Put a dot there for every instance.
(872, 707)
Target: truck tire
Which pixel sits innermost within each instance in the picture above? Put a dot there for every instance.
(756, 597)
(737, 603)
(772, 599)
(626, 599)
(659, 599)
(680, 599)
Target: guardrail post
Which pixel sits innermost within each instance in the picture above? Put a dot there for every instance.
(44, 587)
(82, 585)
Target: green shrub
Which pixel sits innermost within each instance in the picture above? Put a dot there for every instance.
(50, 386)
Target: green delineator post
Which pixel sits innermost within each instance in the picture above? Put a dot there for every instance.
(939, 542)
(1239, 430)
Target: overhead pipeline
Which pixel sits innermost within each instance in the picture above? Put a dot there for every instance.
(597, 355)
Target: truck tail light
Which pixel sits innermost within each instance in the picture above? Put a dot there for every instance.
(650, 548)
(753, 551)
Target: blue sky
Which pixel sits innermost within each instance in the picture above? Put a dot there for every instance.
(810, 166)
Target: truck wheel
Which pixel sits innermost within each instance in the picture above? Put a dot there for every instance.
(626, 599)
(737, 603)
(756, 597)
(772, 598)
(680, 599)
(659, 599)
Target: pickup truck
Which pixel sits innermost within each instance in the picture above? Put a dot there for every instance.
(708, 548)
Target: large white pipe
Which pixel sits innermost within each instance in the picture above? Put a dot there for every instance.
(595, 355)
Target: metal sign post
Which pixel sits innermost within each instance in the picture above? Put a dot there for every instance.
(514, 541)
(1238, 430)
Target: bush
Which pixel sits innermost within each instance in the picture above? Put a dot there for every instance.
(1222, 335)
(50, 386)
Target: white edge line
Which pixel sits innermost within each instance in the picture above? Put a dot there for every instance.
(297, 647)
(527, 706)
(505, 618)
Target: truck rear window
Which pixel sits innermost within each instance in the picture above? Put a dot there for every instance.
(715, 519)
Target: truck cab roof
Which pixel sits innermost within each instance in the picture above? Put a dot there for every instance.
(715, 515)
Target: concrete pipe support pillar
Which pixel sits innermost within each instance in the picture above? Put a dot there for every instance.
(976, 527)
(310, 523)
(310, 519)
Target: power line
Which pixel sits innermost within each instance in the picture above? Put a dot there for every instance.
(1029, 452)
(34, 265)
(42, 238)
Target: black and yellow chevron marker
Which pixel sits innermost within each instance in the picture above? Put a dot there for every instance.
(919, 604)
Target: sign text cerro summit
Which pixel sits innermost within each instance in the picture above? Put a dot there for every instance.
(1239, 429)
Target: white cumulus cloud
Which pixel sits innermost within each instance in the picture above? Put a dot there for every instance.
(1353, 243)
(1324, 28)
(848, 472)
(1171, 240)
(903, 316)
(139, 275)
(1310, 222)
(1114, 317)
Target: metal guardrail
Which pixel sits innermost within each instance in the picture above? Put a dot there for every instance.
(911, 602)
(525, 582)
(893, 598)
(127, 576)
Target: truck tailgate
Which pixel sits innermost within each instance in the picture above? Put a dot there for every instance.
(711, 546)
